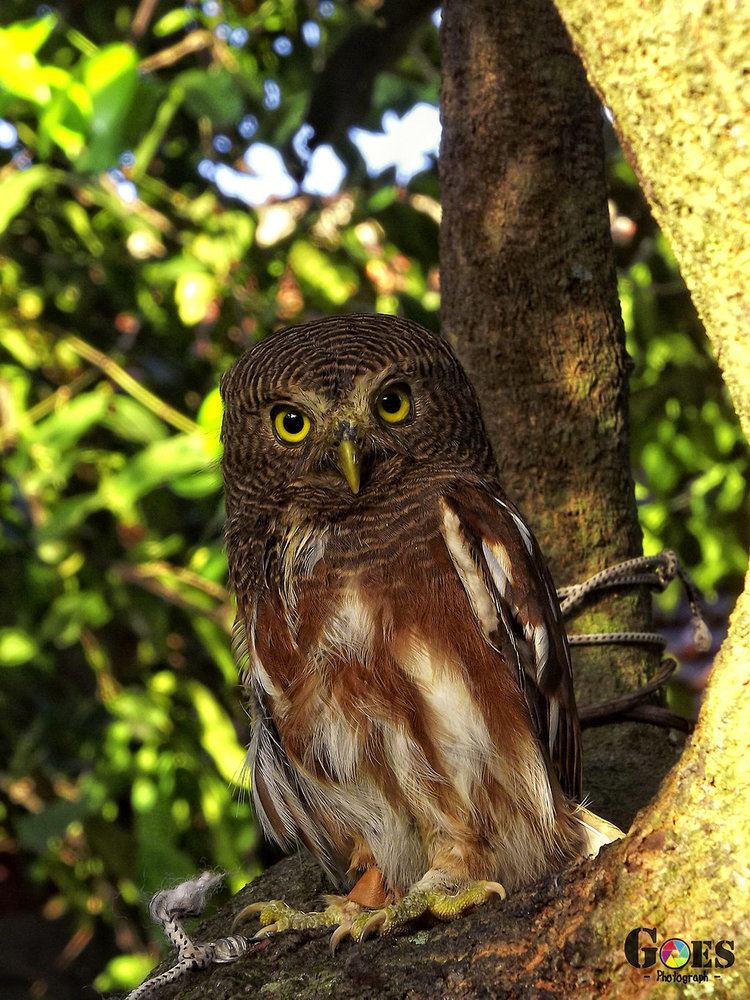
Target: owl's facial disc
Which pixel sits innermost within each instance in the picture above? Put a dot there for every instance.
(334, 443)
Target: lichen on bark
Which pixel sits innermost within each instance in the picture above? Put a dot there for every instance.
(675, 76)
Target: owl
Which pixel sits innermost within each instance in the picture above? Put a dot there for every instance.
(413, 718)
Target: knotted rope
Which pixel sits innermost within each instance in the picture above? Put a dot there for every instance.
(656, 573)
(169, 907)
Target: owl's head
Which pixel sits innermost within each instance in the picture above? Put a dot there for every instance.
(336, 414)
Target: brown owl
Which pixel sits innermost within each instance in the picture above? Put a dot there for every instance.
(414, 724)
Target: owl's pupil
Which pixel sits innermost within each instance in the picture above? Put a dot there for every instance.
(293, 422)
(391, 402)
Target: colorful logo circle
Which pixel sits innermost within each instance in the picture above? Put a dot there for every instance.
(675, 953)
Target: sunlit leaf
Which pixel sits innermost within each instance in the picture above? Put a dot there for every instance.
(17, 188)
(199, 484)
(62, 429)
(29, 36)
(218, 736)
(22, 74)
(111, 78)
(159, 463)
(123, 972)
(173, 20)
(16, 647)
(334, 283)
(194, 292)
(131, 421)
(210, 413)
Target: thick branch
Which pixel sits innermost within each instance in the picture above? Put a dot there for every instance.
(675, 76)
(530, 302)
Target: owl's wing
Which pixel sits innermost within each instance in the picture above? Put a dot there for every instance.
(283, 803)
(512, 594)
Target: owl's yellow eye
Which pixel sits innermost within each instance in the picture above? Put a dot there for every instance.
(290, 424)
(394, 404)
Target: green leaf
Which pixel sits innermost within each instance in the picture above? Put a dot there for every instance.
(210, 413)
(334, 283)
(124, 972)
(159, 463)
(16, 647)
(194, 292)
(218, 736)
(63, 429)
(65, 121)
(174, 20)
(199, 484)
(218, 647)
(65, 516)
(214, 94)
(72, 612)
(111, 78)
(133, 422)
(29, 36)
(18, 345)
(16, 189)
(22, 75)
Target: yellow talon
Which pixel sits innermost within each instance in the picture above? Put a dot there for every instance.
(269, 911)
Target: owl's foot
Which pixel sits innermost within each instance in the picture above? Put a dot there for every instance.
(359, 923)
(276, 916)
(417, 902)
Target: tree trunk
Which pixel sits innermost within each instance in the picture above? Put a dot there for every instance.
(529, 300)
(677, 82)
(685, 867)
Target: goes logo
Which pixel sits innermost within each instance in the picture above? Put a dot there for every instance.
(642, 949)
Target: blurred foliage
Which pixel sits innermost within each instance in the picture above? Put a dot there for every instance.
(131, 274)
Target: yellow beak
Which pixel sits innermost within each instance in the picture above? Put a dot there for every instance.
(349, 463)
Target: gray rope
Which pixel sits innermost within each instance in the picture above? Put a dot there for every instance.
(655, 572)
(619, 638)
(168, 908)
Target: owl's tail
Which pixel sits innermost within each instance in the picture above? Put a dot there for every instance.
(597, 831)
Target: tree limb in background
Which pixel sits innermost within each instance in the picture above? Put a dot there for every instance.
(341, 94)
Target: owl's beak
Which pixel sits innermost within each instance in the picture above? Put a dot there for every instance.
(349, 459)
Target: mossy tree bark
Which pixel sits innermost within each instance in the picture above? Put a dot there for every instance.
(529, 299)
(676, 78)
(685, 867)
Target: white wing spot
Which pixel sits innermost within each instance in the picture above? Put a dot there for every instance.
(350, 628)
(524, 532)
(479, 597)
(498, 563)
(541, 649)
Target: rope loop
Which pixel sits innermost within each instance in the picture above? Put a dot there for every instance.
(654, 572)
